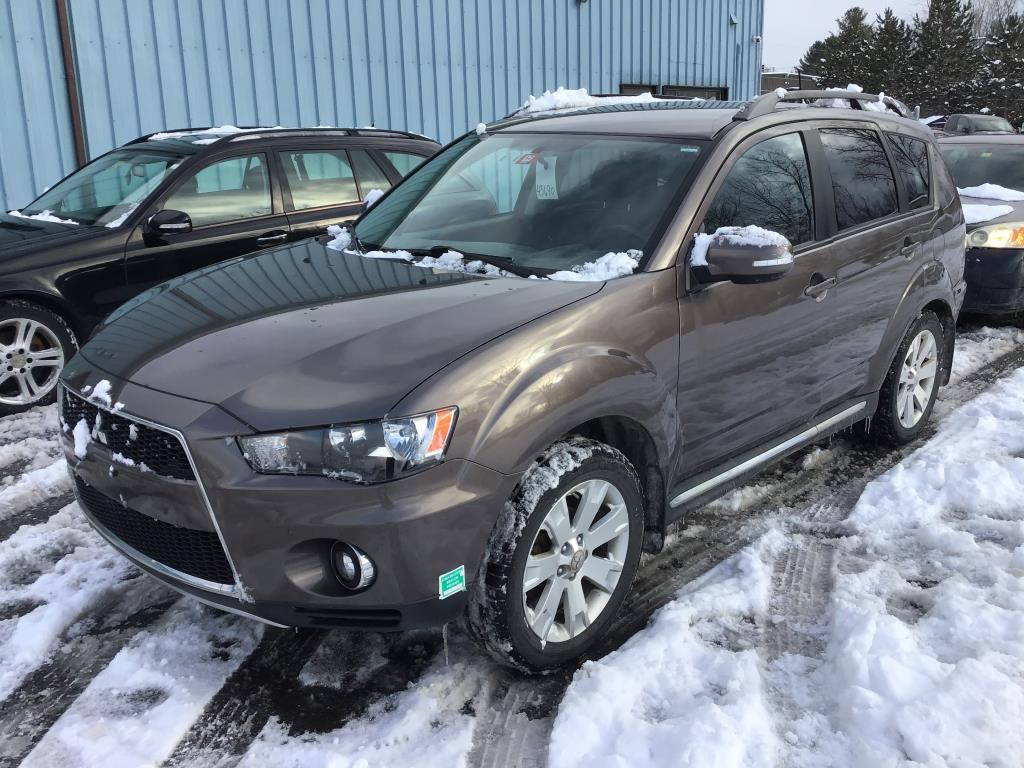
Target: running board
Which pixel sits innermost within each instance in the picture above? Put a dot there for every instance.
(822, 428)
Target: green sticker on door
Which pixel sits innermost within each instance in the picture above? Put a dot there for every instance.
(452, 582)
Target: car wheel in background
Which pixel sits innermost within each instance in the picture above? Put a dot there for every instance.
(561, 558)
(908, 394)
(34, 345)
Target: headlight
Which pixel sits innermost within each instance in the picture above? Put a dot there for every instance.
(371, 452)
(1009, 235)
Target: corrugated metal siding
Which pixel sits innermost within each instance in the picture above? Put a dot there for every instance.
(433, 66)
(36, 147)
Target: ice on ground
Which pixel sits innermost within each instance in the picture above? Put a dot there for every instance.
(139, 707)
(742, 498)
(372, 197)
(607, 267)
(37, 421)
(687, 691)
(59, 568)
(33, 487)
(46, 215)
(992, 192)
(925, 659)
(425, 725)
(566, 98)
(976, 214)
(34, 452)
(975, 349)
(748, 235)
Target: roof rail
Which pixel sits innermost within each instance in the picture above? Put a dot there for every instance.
(765, 105)
(265, 130)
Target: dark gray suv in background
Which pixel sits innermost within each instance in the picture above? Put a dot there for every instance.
(533, 355)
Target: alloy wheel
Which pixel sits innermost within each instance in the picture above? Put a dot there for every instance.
(31, 359)
(917, 379)
(575, 561)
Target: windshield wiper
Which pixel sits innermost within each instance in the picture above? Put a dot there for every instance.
(501, 262)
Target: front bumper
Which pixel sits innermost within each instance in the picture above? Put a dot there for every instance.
(277, 532)
(995, 281)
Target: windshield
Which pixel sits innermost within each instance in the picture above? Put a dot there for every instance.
(975, 164)
(106, 190)
(540, 201)
(991, 124)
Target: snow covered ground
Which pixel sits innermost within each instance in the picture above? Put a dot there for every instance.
(854, 607)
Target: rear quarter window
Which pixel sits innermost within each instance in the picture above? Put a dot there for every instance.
(911, 157)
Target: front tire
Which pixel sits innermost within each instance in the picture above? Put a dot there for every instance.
(35, 343)
(561, 557)
(912, 384)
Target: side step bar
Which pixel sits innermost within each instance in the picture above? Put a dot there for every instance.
(822, 428)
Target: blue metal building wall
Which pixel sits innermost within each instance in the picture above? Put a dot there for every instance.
(36, 146)
(433, 66)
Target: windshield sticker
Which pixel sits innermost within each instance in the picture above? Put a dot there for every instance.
(544, 183)
(689, 150)
(528, 159)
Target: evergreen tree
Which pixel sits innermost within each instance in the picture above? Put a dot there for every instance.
(889, 63)
(1001, 82)
(840, 58)
(947, 59)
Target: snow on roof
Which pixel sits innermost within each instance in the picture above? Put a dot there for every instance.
(214, 134)
(564, 98)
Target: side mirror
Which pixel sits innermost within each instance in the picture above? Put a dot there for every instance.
(169, 222)
(742, 255)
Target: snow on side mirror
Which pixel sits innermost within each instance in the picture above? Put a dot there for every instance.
(741, 255)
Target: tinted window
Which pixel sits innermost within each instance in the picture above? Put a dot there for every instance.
(404, 162)
(369, 173)
(911, 156)
(974, 164)
(320, 177)
(769, 186)
(862, 180)
(228, 190)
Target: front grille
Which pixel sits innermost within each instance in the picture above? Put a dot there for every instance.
(197, 553)
(160, 451)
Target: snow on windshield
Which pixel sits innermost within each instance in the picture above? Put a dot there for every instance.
(991, 192)
(748, 235)
(976, 214)
(607, 267)
(42, 216)
(565, 98)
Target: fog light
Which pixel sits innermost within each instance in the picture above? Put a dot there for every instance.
(353, 567)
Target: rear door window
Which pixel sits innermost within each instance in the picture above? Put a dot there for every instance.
(911, 156)
(863, 184)
(318, 178)
(770, 187)
(368, 173)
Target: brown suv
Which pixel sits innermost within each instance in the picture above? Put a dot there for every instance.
(525, 362)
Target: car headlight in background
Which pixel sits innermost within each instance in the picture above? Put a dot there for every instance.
(371, 452)
(1009, 235)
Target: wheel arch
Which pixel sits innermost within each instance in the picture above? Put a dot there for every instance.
(944, 312)
(55, 304)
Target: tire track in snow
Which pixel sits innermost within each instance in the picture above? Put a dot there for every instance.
(516, 728)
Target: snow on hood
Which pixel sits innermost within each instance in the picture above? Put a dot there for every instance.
(564, 98)
(43, 216)
(976, 214)
(992, 192)
(748, 235)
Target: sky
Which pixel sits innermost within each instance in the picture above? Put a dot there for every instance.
(790, 26)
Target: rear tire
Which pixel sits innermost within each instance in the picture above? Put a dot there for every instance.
(35, 343)
(912, 383)
(561, 558)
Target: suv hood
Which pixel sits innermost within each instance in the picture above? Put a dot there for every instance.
(1017, 214)
(18, 234)
(304, 336)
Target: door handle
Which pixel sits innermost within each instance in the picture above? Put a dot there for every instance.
(819, 286)
(909, 247)
(271, 238)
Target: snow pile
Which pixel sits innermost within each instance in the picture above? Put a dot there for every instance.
(975, 349)
(781, 92)
(607, 267)
(685, 692)
(341, 239)
(926, 653)
(748, 235)
(564, 98)
(59, 567)
(139, 707)
(481, 129)
(218, 132)
(976, 214)
(372, 197)
(992, 192)
(453, 261)
(46, 215)
(35, 486)
(425, 725)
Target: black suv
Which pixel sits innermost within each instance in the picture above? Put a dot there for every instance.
(162, 205)
(544, 347)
